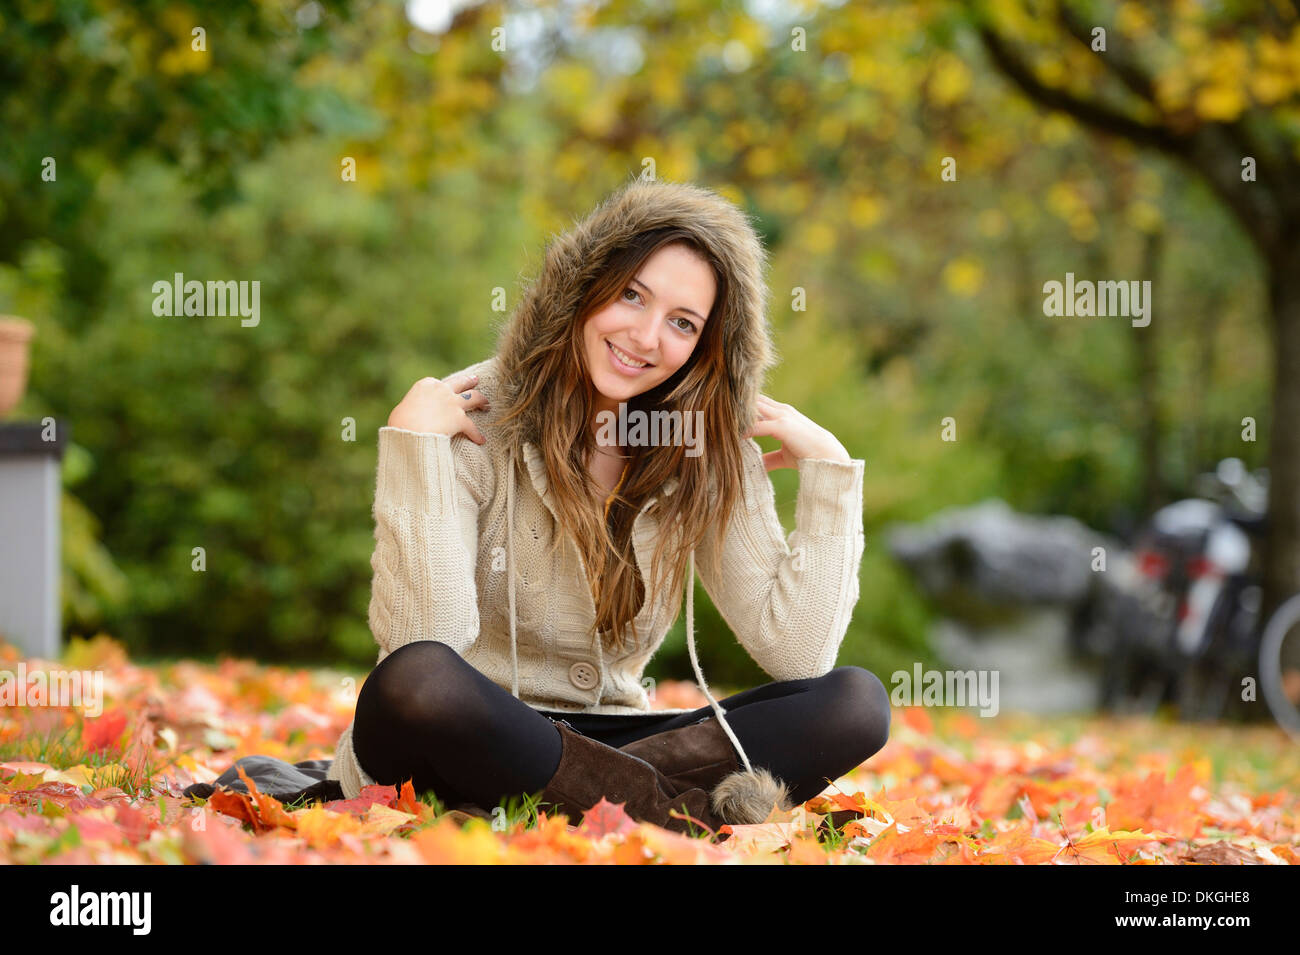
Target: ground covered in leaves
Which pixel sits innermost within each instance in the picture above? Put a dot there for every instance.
(949, 787)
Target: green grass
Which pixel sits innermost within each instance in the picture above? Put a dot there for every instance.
(65, 749)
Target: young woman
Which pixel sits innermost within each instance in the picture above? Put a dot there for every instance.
(538, 515)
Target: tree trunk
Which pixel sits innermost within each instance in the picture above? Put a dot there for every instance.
(1150, 428)
(1282, 551)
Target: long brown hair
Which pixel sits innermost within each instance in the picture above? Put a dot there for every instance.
(553, 403)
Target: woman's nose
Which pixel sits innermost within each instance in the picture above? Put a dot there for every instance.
(645, 335)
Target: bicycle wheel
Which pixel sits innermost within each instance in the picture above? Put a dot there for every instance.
(1281, 687)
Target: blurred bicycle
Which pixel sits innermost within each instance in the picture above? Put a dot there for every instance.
(1191, 634)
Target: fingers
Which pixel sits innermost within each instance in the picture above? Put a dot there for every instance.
(772, 407)
(473, 433)
(459, 383)
(476, 400)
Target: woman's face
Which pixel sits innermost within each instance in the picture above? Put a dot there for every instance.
(655, 322)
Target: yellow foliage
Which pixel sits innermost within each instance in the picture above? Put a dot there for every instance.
(1144, 216)
(1132, 19)
(1083, 226)
(817, 238)
(1270, 87)
(1051, 72)
(992, 223)
(1173, 90)
(1220, 103)
(865, 211)
(761, 162)
(791, 198)
(666, 87)
(963, 276)
(950, 80)
(1056, 128)
(598, 114)
(830, 130)
(1063, 200)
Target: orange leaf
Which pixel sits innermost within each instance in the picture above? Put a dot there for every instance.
(907, 848)
(270, 809)
(1104, 847)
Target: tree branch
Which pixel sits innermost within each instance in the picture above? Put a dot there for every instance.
(1099, 117)
(1212, 151)
(1128, 73)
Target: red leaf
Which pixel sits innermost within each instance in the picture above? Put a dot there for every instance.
(606, 817)
(102, 732)
(384, 795)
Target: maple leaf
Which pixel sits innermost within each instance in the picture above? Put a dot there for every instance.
(1018, 846)
(1104, 847)
(384, 795)
(382, 820)
(237, 805)
(322, 828)
(760, 837)
(100, 733)
(905, 812)
(605, 817)
(994, 795)
(909, 848)
(269, 808)
(406, 800)
(1155, 802)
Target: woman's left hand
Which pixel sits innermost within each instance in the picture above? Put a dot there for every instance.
(800, 437)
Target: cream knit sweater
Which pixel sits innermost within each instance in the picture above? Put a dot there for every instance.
(450, 524)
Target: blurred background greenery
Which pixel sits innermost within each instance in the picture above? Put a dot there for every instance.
(478, 135)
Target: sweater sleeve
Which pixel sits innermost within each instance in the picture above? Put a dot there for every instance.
(789, 603)
(428, 492)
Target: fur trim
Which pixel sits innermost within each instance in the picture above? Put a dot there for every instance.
(748, 798)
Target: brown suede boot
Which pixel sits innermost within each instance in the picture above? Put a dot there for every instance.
(589, 769)
(701, 756)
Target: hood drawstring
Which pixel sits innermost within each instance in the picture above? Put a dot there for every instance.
(690, 616)
(695, 663)
(510, 573)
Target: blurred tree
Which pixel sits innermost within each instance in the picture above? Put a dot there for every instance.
(1217, 87)
(206, 85)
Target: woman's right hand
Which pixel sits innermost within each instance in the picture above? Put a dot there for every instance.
(439, 407)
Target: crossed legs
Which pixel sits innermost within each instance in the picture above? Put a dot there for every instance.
(426, 714)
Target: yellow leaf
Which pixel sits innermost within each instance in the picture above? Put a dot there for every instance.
(950, 80)
(963, 276)
(764, 837)
(1219, 103)
(381, 820)
(80, 775)
(865, 211)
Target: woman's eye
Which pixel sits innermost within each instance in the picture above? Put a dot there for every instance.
(687, 325)
(632, 290)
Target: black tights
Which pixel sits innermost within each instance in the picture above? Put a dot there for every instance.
(424, 713)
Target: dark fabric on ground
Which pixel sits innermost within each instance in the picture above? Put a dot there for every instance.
(285, 781)
(425, 713)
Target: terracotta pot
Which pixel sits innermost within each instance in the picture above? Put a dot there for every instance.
(15, 338)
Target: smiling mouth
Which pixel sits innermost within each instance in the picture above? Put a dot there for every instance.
(625, 359)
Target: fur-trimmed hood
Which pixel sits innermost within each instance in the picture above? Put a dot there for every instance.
(550, 302)
(582, 253)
